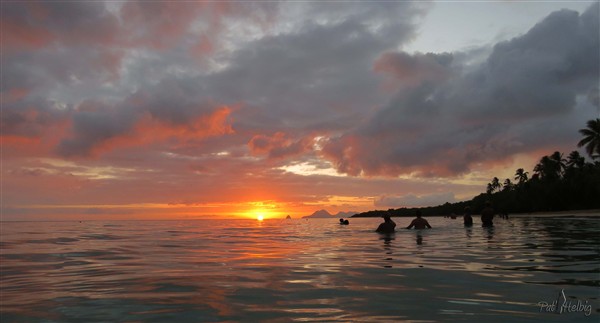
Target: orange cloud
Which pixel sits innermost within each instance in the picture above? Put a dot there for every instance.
(30, 136)
(149, 130)
(20, 141)
(279, 145)
(215, 124)
(17, 36)
(14, 95)
(262, 144)
(33, 25)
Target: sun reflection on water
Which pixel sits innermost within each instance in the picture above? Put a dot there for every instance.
(280, 270)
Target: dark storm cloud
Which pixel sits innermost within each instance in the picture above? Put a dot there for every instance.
(49, 49)
(92, 124)
(176, 101)
(172, 104)
(441, 126)
(332, 69)
(45, 71)
(293, 77)
(414, 69)
(283, 79)
(539, 73)
(306, 78)
(33, 24)
(24, 115)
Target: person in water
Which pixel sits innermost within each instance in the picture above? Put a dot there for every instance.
(388, 226)
(468, 220)
(487, 215)
(419, 222)
(344, 222)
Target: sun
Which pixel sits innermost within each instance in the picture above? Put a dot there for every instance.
(260, 213)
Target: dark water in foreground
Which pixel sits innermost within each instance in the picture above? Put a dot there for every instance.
(298, 270)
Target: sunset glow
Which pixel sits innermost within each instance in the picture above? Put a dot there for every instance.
(257, 110)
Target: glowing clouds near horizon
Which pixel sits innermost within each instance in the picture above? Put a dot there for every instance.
(259, 215)
(206, 108)
(308, 169)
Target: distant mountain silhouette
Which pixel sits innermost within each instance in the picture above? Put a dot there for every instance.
(319, 214)
(288, 217)
(345, 214)
(325, 214)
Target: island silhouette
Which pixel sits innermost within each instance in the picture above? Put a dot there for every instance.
(324, 214)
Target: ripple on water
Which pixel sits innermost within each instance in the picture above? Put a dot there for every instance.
(296, 271)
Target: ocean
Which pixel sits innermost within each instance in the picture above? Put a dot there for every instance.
(527, 269)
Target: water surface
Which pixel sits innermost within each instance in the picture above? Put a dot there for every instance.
(299, 270)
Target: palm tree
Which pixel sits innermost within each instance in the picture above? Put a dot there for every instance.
(575, 160)
(521, 176)
(591, 138)
(545, 168)
(493, 186)
(496, 184)
(508, 185)
(558, 163)
(550, 167)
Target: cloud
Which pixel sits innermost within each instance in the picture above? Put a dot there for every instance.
(322, 68)
(199, 26)
(442, 126)
(414, 69)
(96, 127)
(94, 123)
(200, 101)
(539, 73)
(32, 25)
(279, 146)
(138, 61)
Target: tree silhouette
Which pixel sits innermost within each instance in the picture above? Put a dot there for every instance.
(556, 184)
(591, 139)
(508, 185)
(521, 176)
(494, 186)
(575, 160)
(550, 167)
(558, 163)
(543, 169)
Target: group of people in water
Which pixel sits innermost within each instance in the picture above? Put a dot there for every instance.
(389, 226)
(487, 216)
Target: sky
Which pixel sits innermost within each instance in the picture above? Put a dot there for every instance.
(192, 109)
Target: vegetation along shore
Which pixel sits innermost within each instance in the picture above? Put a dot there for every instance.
(558, 184)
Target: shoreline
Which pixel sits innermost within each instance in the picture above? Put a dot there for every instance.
(568, 213)
(571, 213)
